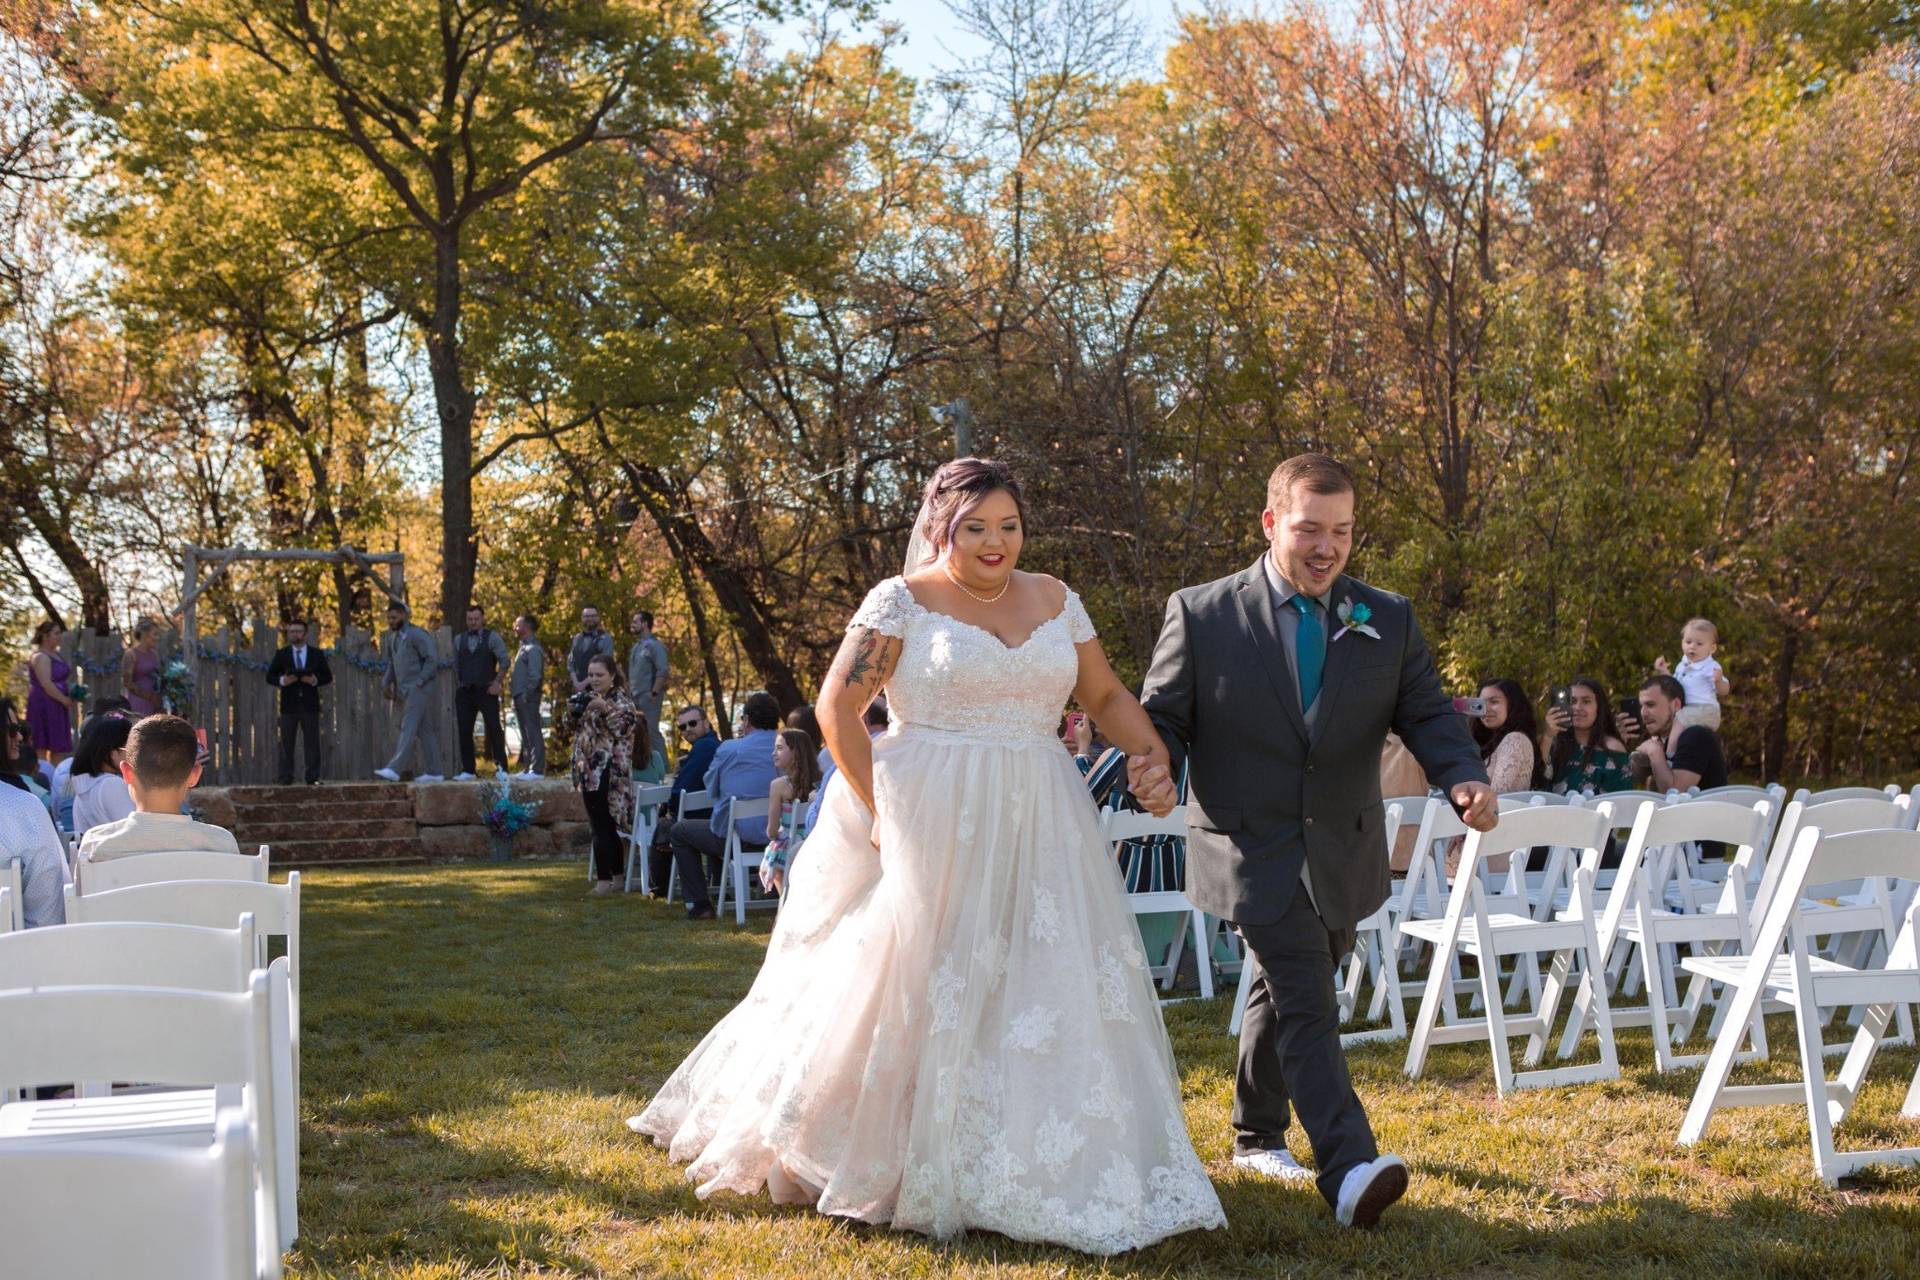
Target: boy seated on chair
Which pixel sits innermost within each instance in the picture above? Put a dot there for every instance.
(162, 764)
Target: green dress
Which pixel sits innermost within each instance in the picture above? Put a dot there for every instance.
(1594, 767)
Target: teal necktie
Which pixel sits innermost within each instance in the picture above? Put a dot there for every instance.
(1310, 650)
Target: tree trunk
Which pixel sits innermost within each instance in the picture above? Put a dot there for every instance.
(455, 402)
(95, 607)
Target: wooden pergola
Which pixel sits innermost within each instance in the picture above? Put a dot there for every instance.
(217, 560)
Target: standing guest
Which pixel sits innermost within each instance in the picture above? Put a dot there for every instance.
(140, 668)
(412, 667)
(796, 758)
(592, 641)
(479, 664)
(27, 833)
(1587, 751)
(1699, 673)
(603, 730)
(50, 707)
(647, 675)
(1676, 755)
(161, 765)
(742, 770)
(702, 743)
(300, 671)
(1507, 734)
(100, 793)
(524, 683)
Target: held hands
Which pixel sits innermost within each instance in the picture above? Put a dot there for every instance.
(1478, 806)
(1152, 785)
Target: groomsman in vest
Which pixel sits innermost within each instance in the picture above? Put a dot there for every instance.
(300, 672)
(479, 664)
(647, 677)
(412, 667)
(524, 683)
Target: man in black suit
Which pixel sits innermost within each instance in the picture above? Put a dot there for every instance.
(1276, 687)
(300, 672)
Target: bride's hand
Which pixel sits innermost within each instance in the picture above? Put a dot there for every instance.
(1152, 786)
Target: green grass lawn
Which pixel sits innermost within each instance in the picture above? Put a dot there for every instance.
(475, 1036)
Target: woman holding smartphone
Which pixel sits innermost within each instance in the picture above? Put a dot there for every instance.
(1586, 751)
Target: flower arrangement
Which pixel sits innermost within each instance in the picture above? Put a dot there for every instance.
(175, 686)
(1354, 617)
(505, 816)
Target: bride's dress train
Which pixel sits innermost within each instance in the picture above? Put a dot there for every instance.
(958, 1031)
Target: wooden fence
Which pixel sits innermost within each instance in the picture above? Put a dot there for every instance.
(240, 711)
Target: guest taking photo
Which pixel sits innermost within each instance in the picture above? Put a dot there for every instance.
(603, 724)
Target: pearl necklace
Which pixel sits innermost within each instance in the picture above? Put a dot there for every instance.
(992, 599)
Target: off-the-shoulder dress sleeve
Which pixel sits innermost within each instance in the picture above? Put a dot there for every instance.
(888, 608)
(1079, 625)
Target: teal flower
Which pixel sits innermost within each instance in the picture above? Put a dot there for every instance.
(1354, 617)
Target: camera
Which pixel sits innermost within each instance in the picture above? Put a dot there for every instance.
(578, 702)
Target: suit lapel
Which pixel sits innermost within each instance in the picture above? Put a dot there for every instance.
(1255, 602)
(1334, 674)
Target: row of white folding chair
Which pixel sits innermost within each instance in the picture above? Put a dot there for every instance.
(647, 800)
(185, 864)
(1807, 982)
(7, 899)
(1120, 827)
(222, 1046)
(736, 860)
(691, 802)
(1471, 928)
(14, 914)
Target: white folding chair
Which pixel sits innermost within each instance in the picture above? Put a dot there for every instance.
(736, 860)
(1373, 956)
(1160, 898)
(132, 1208)
(185, 864)
(691, 802)
(1632, 917)
(1806, 982)
(646, 817)
(1889, 792)
(1469, 928)
(7, 899)
(219, 1044)
(14, 916)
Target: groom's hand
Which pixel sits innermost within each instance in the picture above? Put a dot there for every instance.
(1151, 785)
(1479, 807)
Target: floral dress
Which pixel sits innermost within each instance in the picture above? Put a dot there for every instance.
(1596, 768)
(603, 751)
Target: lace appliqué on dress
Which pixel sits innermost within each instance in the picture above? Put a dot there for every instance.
(888, 609)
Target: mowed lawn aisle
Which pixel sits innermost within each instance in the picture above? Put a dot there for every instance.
(475, 1035)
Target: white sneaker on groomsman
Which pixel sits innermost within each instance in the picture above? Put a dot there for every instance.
(1278, 1164)
(428, 777)
(386, 773)
(464, 777)
(1368, 1189)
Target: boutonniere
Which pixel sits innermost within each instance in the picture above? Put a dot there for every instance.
(1354, 617)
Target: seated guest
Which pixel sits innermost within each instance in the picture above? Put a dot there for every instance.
(798, 762)
(26, 833)
(100, 794)
(1505, 734)
(162, 764)
(1587, 750)
(649, 764)
(742, 770)
(691, 723)
(806, 720)
(1676, 755)
(876, 722)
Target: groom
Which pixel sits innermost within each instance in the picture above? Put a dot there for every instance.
(1276, 687)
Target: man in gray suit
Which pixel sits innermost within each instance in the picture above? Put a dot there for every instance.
(1275, 688)
(529, 673)
(412, 667)
(647, 676)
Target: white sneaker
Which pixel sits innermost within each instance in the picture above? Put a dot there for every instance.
(1368, 1189)
(388, 774)
(1278, 1164)
(428, 777)
(464, 777)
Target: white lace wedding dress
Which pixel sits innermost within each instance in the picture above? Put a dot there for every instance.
(958, 1031)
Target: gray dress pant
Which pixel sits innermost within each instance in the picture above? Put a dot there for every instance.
(533, 734)
(417, 724)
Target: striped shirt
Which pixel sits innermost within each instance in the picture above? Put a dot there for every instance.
(26, 833)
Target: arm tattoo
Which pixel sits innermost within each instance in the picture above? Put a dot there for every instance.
(870, 656)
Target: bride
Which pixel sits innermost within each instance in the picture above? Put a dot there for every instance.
(954, 1026)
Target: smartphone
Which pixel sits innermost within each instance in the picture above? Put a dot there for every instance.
(1470, 706)
(1563, 698)
(1630, 709)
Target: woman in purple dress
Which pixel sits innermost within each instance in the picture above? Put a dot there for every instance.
(49, 707)
(141, 665)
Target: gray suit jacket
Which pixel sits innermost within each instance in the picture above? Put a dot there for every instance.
(1265, 796)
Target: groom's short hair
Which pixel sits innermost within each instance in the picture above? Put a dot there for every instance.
(1318, 472)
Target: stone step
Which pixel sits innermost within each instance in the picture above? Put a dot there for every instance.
(326, 792)
(322, 811)
(333, 827)
(303, 852)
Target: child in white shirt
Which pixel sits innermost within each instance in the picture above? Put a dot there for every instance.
(1699, 674)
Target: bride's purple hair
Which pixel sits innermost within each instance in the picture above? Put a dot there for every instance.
(957, 488)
